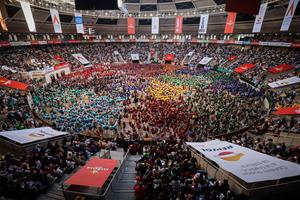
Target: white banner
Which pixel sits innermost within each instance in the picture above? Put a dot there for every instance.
(31, 135)
(4, 67)
(135, 57)
(285, 82)
(260, 18)
(28, 16)
(205, 60)
(55, 20)
(288, 17)
(79, 23)
(81, 58)
(155, 25)
(249, 165)
(203, 23)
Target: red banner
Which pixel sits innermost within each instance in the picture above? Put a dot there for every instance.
(288, 111)
(12, 84)
(169, 57)
(94, 173)
(231, 58)
(61, 65)
(58, 58)
(245, 67)
(280, 68)
(231, 16)
(178, 25)
(131, 25)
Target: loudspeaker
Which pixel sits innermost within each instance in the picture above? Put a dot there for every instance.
(96, 4)
(250, 7)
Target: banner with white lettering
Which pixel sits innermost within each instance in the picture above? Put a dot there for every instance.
(31, 135)
(79, 23)
(285, 82)
(178, 25)
(288, 17)
(155, 25)
(55, 21)
(239, 161)
(28, 16)
(260, 18)
(203, 23)
(205, 60)
(81, 58)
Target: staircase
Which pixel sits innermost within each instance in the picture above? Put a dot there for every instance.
(124, 187)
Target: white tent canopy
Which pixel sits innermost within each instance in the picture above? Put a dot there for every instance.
(31, 135)
(249, 165)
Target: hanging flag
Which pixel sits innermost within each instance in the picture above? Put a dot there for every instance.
(155, 25)
(288, 17)
(260, 18)
(178, 25)
(55, 21)
(203, 23)
(79, 23)
(131, 25)
(2, 22)
(28, 16)
(231, 16)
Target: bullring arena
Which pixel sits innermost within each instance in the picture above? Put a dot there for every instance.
(149, 99)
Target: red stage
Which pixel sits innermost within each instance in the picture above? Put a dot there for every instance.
(13, 84)
(288, 111)
(94, 173)
(280, 68)
(243, 68)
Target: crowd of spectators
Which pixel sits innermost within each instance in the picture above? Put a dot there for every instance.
(30, 175)
(168, 171)
(267, 146)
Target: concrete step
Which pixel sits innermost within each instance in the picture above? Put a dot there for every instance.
(123, 195)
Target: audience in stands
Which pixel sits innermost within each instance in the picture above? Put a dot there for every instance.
(30, 175)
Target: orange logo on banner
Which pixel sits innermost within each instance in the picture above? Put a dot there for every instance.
(178, 25)
(230, 156)
(55, 20)
(131, 25)
(230, 22)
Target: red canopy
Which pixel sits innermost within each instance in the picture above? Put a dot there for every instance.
(245, 67)
(13, 84)
(169, 57)
(231, 58)
(94, 173)
(288, 111)
(280, 68)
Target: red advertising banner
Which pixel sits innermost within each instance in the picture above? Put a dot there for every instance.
(94, 173)
(231, 58)
(169, 57)
(245, 67)
(131, 25)
(178, 25)
(231, 16)
(61, 65)
(12, 84)
(288, 111)
(57, 57)
(280, 68)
